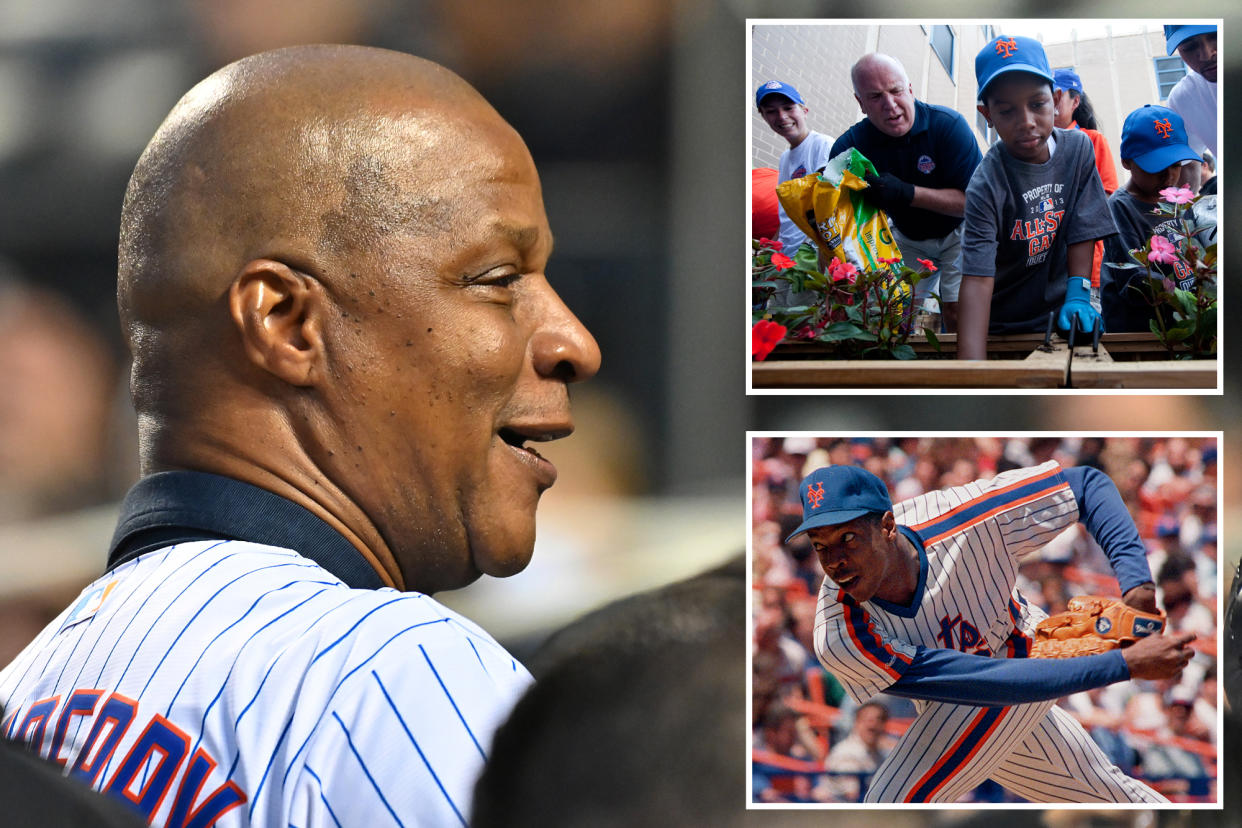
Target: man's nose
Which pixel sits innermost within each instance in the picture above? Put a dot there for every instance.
(562, 347)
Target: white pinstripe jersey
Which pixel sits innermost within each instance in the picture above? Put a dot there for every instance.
(973, 538)
(230, 683)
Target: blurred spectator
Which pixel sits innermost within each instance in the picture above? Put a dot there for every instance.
(60, 383)
(861, 751)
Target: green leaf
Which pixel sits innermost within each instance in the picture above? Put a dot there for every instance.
(932, 339)
(1179, 333)
(839, 331)
(807, 257)
(1186, 300)
(904, 351)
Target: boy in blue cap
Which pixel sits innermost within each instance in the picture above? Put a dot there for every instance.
(1034, 207)
(1154, 147)
(783, 109)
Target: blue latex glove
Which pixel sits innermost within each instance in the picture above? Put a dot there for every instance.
(1078, 303)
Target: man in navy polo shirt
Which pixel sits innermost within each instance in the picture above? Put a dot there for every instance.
(925, 155)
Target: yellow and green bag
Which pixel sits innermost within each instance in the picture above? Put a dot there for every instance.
(830, 209)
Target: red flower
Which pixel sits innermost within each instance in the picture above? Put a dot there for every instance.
(927, 263)
(771, 243)
(764, 336)
(781, 261)
(886, 260)
(840, 270)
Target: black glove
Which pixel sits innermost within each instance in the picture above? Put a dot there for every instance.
(887, 191)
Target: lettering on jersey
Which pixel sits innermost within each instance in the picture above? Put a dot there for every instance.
(958, 634)
(35, 724)
(146, 774)
(1039, 228)
(815, 494)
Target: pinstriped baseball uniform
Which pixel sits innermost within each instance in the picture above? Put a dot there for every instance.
(970, 540)
(231, 683)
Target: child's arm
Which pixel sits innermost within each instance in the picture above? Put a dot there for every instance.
(1078, 289)
(974, 311)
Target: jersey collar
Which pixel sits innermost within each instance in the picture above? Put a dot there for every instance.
(915, 602)
(181, 506)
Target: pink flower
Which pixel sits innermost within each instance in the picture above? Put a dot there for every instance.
(781, 261)
(771, 243)
(764, 336)
(1162, 250)
(886, 260)
(927, 263)
(1177, 195)
(840, 270)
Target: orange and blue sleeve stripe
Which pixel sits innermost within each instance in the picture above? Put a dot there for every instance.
(990, 504)
(868, 642)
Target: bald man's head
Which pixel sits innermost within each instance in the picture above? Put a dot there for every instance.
(332, 280)
(884, 93)
(286, 150)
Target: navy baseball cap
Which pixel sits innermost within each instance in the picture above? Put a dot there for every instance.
(1175, 35)
(777, 88)
(1067, 79)
(1010, 54)
(1154, 137)
(838, 494)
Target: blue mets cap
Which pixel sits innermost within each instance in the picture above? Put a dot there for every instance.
(1154, 137)
(773, 87)
(1010, 54)
(1067, 79)
(838, 494)
(1174, 36)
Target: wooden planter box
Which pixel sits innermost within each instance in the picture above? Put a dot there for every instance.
(1133, 360)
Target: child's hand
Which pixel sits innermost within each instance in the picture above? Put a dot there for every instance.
(1078, 304)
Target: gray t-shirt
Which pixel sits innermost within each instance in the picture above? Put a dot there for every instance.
(1125, 309)
(1021, 219)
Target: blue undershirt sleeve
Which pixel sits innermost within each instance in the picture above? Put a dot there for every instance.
(961, 678)
(1102, 511)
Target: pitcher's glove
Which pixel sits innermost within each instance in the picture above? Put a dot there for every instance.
(1093, 624)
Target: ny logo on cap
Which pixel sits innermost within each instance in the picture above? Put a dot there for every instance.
(815, 494)
(1005, 48)
(1164, 128)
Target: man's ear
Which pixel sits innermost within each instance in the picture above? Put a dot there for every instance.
(279, 313)
(889, 524)
(983, 110)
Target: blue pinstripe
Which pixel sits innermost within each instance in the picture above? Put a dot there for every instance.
(323, 797)
(414, 742)
(362, 764)
(449, 696)
(203, 723)
(344, 678)
(289, 722)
